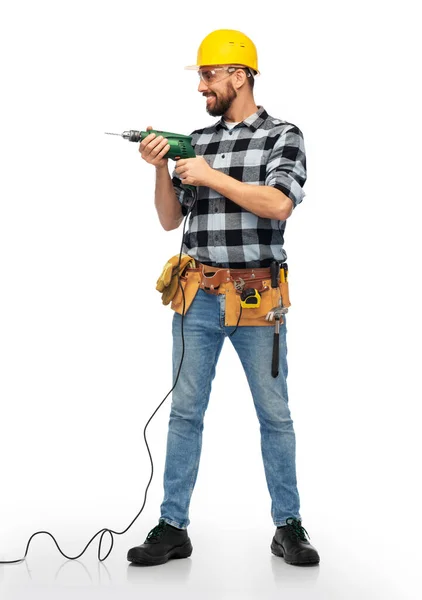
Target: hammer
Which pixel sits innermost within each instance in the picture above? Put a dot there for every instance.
(275, 313)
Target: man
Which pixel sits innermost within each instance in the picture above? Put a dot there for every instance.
(249, 173)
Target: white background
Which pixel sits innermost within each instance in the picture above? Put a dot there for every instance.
(85, 344)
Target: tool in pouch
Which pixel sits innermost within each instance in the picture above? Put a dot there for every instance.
(250, 298)
(258, 292)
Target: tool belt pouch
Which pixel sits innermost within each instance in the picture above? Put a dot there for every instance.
(270, 298)
(189, 281)
(284, 291)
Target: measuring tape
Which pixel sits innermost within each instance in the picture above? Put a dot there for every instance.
(250, 298)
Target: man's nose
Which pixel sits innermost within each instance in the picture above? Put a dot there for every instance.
(202, 87)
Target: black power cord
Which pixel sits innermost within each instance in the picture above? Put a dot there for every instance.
(111, 531)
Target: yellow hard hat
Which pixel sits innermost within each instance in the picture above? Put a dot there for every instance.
(227, 47)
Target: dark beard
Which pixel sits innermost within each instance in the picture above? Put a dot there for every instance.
(222, 105)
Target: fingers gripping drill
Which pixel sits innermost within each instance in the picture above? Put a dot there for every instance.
(276, 313)
(180, 145)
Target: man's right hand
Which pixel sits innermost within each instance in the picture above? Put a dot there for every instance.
(153, 148)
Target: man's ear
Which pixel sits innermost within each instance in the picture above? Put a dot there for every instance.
(240, 77)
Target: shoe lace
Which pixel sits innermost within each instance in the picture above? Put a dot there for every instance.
(295, 529)
(157, 531)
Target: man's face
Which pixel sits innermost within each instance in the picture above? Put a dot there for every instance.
(220, 94)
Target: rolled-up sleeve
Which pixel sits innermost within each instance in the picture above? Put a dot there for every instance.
(286, 167)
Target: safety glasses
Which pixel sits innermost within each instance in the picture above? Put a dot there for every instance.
(216, 74)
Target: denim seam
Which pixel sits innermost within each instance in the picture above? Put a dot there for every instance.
(170, 522)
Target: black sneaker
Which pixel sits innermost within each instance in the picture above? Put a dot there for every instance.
(290, 542)
(163, 543)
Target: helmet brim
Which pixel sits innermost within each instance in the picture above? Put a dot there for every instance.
(196, 67)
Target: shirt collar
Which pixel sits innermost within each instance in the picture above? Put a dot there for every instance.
(253, 121)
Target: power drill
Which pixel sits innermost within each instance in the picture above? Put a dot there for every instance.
(180, 145)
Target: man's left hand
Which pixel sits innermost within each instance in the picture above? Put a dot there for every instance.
(194, 171)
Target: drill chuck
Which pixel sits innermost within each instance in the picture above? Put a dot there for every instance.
(132, 135)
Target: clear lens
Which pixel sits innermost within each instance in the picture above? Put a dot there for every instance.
(210, 76)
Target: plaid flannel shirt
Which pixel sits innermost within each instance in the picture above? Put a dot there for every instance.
(261, 150)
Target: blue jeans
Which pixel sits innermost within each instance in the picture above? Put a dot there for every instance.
(204, 333)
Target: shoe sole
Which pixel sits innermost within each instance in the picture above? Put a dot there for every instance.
(277, 550)
(179, 552)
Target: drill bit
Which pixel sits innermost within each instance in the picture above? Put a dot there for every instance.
(132, 135)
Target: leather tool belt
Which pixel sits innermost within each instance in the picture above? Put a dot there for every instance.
(211, 278)
(231, 282)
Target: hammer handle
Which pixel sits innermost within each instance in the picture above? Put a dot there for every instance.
(274, 366)
(275, 273)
